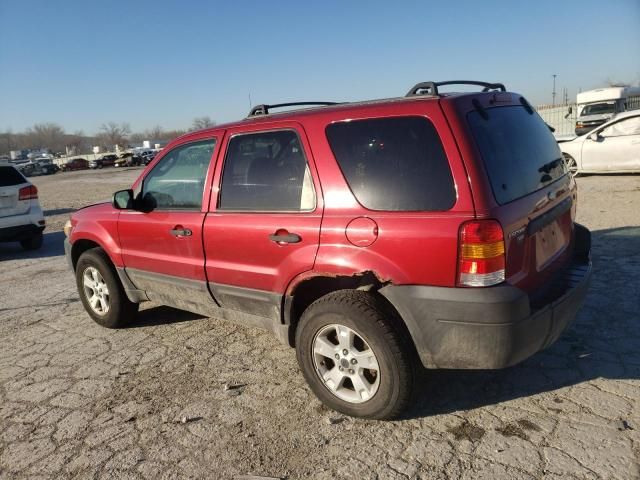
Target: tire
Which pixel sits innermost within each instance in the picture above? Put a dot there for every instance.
(572, 165)
(112, 309)
(376, 331)
(33, 243)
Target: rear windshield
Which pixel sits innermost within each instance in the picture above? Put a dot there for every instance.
(519, 152)
(394, 163)
(9, 176)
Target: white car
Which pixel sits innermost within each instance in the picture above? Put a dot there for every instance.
(613, 147)
(21, 218)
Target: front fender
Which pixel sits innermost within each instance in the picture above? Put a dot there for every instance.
(98, 224)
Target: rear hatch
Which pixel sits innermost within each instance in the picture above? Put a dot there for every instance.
(533, 194)
(11, 181)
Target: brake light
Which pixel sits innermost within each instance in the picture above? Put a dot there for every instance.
(28, 193)
(481, 258)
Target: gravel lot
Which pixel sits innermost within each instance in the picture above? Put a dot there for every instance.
(149, 401)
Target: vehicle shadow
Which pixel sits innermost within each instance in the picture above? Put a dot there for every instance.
(603, 341)
(162, 315)
(52, 246)
(58, 211)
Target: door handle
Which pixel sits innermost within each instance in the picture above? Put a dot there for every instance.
(180, 232)
(282, 236)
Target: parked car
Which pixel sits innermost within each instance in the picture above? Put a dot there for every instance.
(21, 218)
(436, 238)
(75, 164)
(128, 160)
(104, 161)
(147, 157)
(611, 148)
(39, 166)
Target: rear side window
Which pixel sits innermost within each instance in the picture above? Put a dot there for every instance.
(519, 152)
(394, 163)
(266, 172)
(9, 176)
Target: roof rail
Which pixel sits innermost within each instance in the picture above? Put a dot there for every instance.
(263, 109)
(431, 88)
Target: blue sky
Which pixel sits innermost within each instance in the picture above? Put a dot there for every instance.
(83, 63)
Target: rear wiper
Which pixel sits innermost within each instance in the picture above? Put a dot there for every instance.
(547, 167)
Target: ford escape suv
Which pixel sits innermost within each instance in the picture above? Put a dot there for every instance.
(435, 228)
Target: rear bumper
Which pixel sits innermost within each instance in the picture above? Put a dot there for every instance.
(489, 328)
(20, 232)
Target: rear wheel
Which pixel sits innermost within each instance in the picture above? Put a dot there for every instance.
(101, 292)
(355, 356)
(33, 243)
(572, 165)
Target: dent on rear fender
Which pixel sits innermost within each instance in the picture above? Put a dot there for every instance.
(356, 264)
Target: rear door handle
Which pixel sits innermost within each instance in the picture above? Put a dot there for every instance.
(180, 232)
(285, 237)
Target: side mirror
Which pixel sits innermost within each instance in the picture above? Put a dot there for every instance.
(123, 200)
(595, 136)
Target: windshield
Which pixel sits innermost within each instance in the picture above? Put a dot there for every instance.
(518, 150)
(598, 109)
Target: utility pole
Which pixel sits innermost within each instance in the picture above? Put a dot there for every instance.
(553, 94)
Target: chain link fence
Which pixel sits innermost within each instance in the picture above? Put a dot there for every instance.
(560, 117)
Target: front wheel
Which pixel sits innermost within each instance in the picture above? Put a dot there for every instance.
(101, 292)
(572, 165)
(356, 356)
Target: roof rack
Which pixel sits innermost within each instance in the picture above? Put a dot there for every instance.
(264, 108)
(431, 88)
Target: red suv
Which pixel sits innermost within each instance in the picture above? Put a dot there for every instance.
(433, 228)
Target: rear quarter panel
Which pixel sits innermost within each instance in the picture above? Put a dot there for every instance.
(411, 247)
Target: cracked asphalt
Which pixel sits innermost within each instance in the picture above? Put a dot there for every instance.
(177, 395)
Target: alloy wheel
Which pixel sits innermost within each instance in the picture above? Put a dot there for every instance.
(96, 290)
(346, 364)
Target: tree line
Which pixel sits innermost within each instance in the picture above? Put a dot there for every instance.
(55, 139)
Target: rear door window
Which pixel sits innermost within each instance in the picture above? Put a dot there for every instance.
(9, 176)
(519, 152)
(394, 164)
(266, 172)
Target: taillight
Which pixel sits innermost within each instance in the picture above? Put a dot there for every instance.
(28, 193)
(481, 257)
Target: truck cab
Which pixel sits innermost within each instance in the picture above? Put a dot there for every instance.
(598, 106)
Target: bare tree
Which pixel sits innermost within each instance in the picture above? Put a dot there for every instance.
(154, 133)
(8, 142)
(202, 122)
(112, 134)
(76, 142)
(45, 135)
